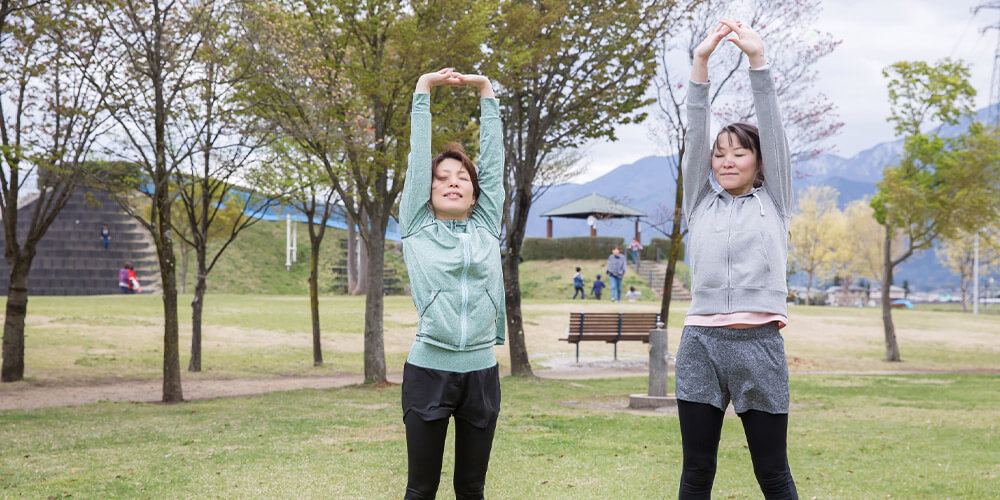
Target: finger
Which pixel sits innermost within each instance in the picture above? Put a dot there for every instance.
(733, 25)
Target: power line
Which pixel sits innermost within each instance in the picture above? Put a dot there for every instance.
(995, 76)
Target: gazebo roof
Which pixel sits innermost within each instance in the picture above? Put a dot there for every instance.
(596, 205)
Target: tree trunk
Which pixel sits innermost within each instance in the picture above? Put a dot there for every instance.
(314, 295)
(519, 362)
(185, 252)
(13, 327)
(809, 285)
(675, 250)
(361, 285)
(197, 306)
(374, 305)
(172, 392)
(352, 258)
(891, 347)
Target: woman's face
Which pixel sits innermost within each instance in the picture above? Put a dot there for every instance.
(734, 166)
(451, 190)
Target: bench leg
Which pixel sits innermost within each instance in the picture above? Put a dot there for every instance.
(577, 352)
(616, 351)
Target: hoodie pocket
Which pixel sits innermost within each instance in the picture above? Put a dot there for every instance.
(748, 260)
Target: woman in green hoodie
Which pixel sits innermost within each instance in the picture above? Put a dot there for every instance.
(450, 216)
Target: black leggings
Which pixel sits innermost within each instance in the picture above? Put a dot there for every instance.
(425, 447)
(701, 426)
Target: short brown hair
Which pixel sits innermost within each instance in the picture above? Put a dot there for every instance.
(748, 136)
(455, 151)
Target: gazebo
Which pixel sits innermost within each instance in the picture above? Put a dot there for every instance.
(593, 207)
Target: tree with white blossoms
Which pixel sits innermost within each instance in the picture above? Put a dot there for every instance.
(815, 233)
(958, 254)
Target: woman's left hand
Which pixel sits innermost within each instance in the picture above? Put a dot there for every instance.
(480, 82)
(748, 41)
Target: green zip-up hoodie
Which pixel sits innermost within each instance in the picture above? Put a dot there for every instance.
(455, 276)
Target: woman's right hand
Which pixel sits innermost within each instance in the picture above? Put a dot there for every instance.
(711, 41)
(699, 56)
(445, 76)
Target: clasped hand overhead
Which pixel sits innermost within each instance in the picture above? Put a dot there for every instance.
(450, 77)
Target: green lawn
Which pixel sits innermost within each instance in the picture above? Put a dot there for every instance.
(906, 436)
(931, 434)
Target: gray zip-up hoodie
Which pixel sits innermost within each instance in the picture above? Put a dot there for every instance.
(738, 245)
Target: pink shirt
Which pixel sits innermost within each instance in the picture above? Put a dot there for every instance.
(736, 319)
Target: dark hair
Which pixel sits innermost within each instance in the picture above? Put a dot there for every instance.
(748, 136)
(578, 269)
(128, 265)
(455, 151)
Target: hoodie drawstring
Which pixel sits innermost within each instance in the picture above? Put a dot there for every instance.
(760, 203)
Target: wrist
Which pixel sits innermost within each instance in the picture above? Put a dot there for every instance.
(757, 61)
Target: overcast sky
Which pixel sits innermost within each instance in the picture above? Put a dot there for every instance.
(874, 35)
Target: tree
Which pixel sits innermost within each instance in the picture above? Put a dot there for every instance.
(940, 185)
(815, 233)
(340, 87)
(569, 71)
(215, 210)
(306, 189)
(148, 67)
(793, 48)
(859, 250)
(51, 118)
(958, 255)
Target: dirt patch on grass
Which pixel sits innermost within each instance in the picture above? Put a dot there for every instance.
(24, 395)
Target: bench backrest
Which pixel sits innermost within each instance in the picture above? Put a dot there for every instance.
(615, 323)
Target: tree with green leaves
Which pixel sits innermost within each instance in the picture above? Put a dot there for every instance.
(147, 74)
(940, 185)
(336, 80)
(795, 48)
(305, 187)
(568, 71)
(216, 187)
(51, 118)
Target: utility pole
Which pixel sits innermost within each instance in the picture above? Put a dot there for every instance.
(995, 120)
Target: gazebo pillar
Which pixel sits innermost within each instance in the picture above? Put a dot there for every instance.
(593, 230)
(638, 232)
(548, 228)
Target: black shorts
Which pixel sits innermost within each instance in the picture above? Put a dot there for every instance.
(435, 394)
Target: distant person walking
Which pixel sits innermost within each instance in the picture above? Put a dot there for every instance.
(125, 275)
(105, 236)
(578, 285)
(596, 287)
(450, 217)
(737, 204)
(635, 247)
(616, 272)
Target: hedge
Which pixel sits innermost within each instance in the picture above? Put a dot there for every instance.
(585, 247)
(582, 247)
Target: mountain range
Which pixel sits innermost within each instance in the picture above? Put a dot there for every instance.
(648, 185)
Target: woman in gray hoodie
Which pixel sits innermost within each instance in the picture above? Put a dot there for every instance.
(737, 201)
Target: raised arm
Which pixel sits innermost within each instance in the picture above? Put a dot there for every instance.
(417, 188)
(696, 165)
(777, 163)
(489, 206)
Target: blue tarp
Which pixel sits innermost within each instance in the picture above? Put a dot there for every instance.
(337, 220)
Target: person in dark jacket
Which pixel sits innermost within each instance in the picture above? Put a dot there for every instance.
(616, 272)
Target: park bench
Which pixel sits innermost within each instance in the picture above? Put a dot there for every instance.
(609, 327)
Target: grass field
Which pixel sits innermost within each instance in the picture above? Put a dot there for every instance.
(859, 427)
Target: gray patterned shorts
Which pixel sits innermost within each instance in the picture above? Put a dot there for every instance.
(745, 365)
